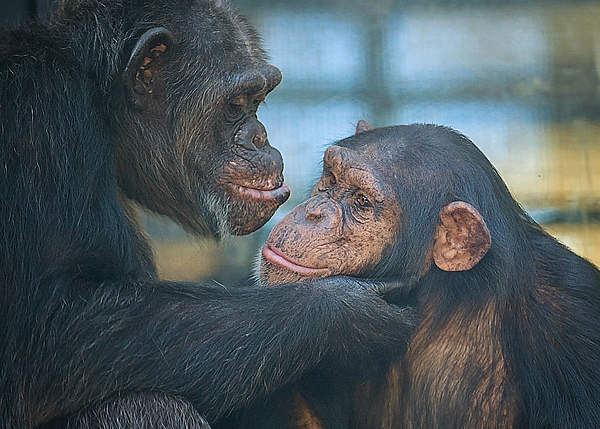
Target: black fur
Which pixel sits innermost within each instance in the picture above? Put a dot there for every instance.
(512, 342)
(89, 335)
(546, 298)
(140, 411)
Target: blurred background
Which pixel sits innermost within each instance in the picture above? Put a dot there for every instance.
(519, 77)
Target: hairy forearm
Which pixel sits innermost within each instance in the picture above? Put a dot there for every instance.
(216, 346)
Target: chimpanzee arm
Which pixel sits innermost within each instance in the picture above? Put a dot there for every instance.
(219, 347)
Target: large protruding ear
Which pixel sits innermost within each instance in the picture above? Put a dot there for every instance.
(462, 239)
(362, 126)
(145, 64)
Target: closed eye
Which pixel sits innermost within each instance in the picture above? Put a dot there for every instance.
(234, 111)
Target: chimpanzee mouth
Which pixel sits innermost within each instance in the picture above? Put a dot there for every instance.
(279, 195)
(276, 258)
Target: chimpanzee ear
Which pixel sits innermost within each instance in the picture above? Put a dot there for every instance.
(145, 64)
(362, 126)
(462, 238)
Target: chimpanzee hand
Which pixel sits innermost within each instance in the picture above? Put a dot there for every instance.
(354, 313)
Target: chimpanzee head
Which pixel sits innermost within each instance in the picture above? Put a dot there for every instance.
(184, 80)
(391, 203)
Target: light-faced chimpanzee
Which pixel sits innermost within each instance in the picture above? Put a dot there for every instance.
(114, 101)
(509, 318)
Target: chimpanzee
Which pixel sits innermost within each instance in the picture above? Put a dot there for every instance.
(509, 318)
(113, 102)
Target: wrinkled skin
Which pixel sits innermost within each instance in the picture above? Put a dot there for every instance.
(253, 179)
(187, 141)
(351, 219)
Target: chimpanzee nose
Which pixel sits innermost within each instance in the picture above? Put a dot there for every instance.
(320, 210)
(314, 210)
(258, 139)
(251, 135)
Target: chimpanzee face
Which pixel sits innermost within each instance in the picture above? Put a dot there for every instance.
(344, 228)
(251, 175)
(355, 217)
(187, 140)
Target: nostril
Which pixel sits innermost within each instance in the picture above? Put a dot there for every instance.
(242, 137)
(246, 144)
(315, 210)
(258, 140)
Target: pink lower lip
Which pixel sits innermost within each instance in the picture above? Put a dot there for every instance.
(276, 258)
(280, 194)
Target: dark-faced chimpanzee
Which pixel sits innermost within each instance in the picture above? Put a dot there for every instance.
(509, 318)
(153, 102)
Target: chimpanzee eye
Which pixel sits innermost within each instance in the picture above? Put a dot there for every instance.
(235, 108)
(363, 202)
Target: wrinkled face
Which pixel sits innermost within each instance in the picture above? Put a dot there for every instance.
(187, 141)
(252, 172)
(344, 228)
